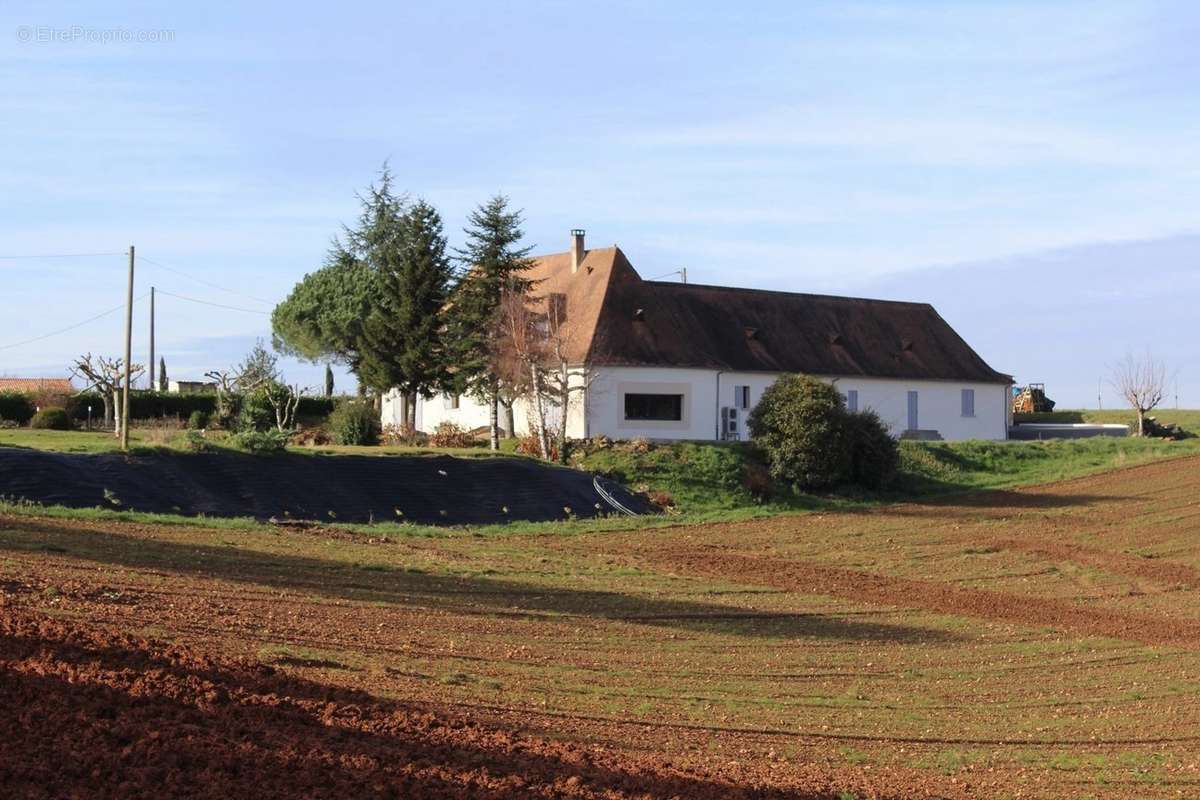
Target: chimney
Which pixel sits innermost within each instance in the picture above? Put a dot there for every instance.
(577, 251)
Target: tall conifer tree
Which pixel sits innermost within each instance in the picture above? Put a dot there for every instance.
(493, 262)
(403, 334)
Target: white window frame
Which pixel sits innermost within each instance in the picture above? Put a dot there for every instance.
(741, 397)
(450, 402)
(852, 400)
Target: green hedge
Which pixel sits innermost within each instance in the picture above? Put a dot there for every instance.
(16, 407)
(145, 404)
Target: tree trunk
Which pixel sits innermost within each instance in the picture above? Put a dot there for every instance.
(510, 424)
(1141, 430)
(411, 420)
(539, 420)
(564, 403)
(116, 403)
(494, 416)
(403, 398)
(108, 408)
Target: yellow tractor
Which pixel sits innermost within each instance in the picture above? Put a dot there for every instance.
(1031, 399)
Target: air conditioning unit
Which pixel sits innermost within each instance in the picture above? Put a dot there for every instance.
(730, 427)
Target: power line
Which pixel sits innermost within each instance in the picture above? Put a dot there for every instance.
(71, 327)
(210, 303)
(183, 274)
(61, 255)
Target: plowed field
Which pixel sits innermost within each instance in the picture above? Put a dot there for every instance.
(1034, 643)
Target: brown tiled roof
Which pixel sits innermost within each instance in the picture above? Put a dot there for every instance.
(624, 320)
(60, 385)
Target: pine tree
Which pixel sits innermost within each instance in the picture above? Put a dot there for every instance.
(403, 341)
(493, 263)
(324, 315)
(163, 384)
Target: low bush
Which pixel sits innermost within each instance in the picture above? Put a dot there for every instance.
(195, 441)
(263, 443)
(402, 436)
(198, 420)
(812, 441)
(51, 419)
(874, 454)
(448, 434)
(312, 436)
(16, 407)
(528, 445)
(354, 423)
(800, 425)
(757, 480)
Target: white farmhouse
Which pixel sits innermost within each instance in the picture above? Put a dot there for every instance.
(672, 360)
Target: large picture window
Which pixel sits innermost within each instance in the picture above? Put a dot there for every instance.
(666, 407)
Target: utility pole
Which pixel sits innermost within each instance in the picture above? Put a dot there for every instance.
(128, 356)
(683, 274)
(152, 384)
(1099, 394)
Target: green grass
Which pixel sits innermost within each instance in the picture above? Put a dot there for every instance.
(708, 478)
(704, 481)
(144, 440)
(1188, 419)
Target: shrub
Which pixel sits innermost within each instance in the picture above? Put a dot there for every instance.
(354, 423)
(51, 419)
(800, 425)
(874, 454)
(16, 407)
(263, 443)
(402, 436)
(757, 480)
(528, 445)
(228, 406)
(194, 441)
(447, 434)
(198, 420)
(662, 499)
(256, 412)
(312, 437)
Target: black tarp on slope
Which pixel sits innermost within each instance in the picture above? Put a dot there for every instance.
(426, 489)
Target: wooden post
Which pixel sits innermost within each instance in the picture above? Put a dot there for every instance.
(151, 364)
(128, 355)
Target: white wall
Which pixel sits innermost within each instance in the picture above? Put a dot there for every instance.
(939, 402)
(606, 403)
(472, 414)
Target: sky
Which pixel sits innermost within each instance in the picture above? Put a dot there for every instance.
(1032, 168)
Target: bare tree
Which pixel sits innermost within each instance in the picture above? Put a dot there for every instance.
(284, 399)
(563, 382)
(533, 356)
(518, 355)
(106, 376)
(1142, 382)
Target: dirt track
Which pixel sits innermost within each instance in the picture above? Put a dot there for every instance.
(1040, 643)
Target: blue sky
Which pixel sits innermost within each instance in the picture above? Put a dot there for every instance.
(961, 152)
